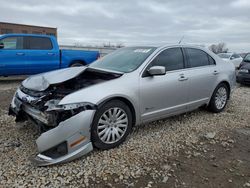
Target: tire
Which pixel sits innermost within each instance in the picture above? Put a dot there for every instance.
(105, 132)
(76, 64)
(219, 98)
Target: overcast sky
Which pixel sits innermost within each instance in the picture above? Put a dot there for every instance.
(137, 22)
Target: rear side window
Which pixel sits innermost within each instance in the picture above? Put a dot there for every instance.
(236, 56)
(171, 59)
(211, 60)
(12, 43)
(198, 58)
(39, 43)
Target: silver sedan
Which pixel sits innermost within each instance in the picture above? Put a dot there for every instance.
(79, 108)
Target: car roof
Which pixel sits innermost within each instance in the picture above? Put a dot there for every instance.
(22, 34)
(229, 53)
(184, 46)
(201, 47)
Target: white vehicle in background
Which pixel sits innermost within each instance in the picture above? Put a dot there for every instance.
(236, 59)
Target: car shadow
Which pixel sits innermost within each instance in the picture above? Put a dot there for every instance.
(12, 79)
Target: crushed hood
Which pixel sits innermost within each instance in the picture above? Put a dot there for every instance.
(41, 82)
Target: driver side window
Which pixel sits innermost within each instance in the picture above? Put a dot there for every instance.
(171, 59)
(12, 43)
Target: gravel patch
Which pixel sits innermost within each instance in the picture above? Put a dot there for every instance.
(144, 154)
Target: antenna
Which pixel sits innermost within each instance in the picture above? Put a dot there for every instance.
(181, 39)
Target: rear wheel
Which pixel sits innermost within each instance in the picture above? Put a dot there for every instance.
(219, 99)
(111, 125)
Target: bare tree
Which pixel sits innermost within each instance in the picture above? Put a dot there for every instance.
(219, 48)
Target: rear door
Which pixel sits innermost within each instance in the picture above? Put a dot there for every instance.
(161, 96)
(42, 55)
(202, 75)
(13, 56)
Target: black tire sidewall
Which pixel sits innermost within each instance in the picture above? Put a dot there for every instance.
(76, 64)
(96, 141)
(212, 106)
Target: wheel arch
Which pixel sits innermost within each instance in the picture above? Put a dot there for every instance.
(221, 82)
(127, 102)
(77, 61)
(228, 87)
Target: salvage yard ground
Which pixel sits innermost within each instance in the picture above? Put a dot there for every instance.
(197, 149)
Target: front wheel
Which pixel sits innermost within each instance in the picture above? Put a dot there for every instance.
(219, 99)
(111, 125)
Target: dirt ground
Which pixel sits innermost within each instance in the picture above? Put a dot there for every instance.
(220, 159)
(223, 161)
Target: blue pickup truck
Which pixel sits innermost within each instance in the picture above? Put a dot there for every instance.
(25, 54)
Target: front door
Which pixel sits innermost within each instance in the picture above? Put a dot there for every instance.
(164, 95)
(13, 57)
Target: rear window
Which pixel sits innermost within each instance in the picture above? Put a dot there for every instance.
(39, 43)
(236, 56)
(224, 55)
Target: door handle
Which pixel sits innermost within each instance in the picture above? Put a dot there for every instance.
(50, 54)
(20, 53)
(215, 72)
(182, 78)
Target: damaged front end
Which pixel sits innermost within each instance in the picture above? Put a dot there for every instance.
(65, 128)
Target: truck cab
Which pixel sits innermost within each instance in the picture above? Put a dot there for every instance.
(26, 54)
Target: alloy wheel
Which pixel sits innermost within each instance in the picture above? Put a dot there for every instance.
(112, 125)
(221, 98)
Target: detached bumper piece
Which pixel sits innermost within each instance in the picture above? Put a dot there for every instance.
(63, 141)
(43, 160)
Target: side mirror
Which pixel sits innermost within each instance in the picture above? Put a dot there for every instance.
(1, 45)
(157, 70)
(231, 58)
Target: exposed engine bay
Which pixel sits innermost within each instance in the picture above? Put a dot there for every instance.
(42, 106)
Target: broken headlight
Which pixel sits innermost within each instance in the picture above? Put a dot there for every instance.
(54, 105)
(73, 106)
(58, 113)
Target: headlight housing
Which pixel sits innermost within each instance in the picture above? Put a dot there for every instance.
(53, 105)
(73, 106)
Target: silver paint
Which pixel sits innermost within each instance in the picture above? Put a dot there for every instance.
(152, 97)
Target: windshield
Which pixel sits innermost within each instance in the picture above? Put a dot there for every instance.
(247, 58)
(227, 56)
(124, 60)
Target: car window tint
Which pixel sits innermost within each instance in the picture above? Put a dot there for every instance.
(172, 59)
(236, 56)
(39, 43)
(197, 57)
(12, 43)
(211, 60)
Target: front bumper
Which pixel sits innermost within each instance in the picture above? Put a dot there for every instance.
(73, 132)
(243, 78)
(43, 160)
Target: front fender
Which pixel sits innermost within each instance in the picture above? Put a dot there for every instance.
(100, 93)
